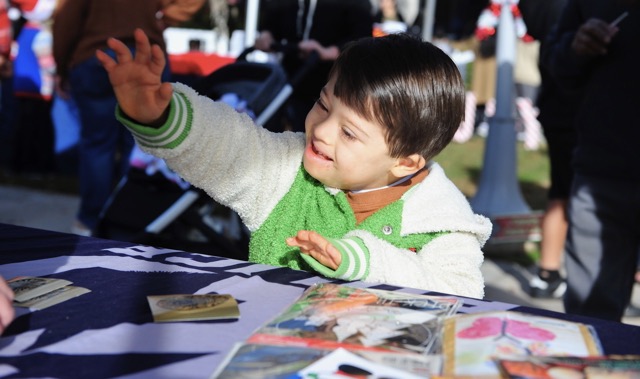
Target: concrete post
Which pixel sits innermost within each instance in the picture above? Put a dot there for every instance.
(251, 23)
(498, 191)
(428, 19)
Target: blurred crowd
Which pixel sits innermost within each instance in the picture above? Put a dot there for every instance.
(43, 124)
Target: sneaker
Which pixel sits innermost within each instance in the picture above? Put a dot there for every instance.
(548, 290)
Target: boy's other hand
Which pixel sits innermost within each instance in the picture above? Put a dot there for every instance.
(136, 80)
(328, 53)
(318, 247)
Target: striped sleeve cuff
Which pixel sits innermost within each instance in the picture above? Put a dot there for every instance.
(355, 260)
(169, 135)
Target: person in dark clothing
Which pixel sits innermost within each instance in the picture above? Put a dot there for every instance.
(557, 109)
(599, 56)
(388, 11)
(324, 26)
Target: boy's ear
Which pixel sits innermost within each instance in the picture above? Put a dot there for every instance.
(408, 165)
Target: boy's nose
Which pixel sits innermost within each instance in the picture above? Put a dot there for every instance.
(324, 130)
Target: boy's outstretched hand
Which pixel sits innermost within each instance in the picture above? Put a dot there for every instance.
(136, 80)
(318, 247)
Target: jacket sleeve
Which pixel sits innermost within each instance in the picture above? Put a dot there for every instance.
(449, 264)
(217, 149)
(66, 31)
(567, 67)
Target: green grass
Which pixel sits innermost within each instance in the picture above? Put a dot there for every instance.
(463, 165)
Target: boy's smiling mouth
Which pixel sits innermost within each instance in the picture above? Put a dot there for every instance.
(318, 153)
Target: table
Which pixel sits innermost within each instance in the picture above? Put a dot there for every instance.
(109, 332)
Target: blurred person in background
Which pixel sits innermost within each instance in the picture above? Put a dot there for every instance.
(557, 110)
(6, 94)
(80, 28)
(595, 50)
(388, 19)
(323, 26)
(388, 11)
(28, 70)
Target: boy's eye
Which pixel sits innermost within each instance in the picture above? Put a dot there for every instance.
(346, 133)
(321, 104)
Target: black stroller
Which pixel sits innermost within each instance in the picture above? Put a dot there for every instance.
(153, 206)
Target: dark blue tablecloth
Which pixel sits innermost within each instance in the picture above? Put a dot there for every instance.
(110, 332)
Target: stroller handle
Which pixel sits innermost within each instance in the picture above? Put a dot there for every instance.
(277, 47)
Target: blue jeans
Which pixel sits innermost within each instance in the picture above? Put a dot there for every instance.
(105, 144)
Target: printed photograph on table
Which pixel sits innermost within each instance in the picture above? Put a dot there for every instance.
(335, 330)
(252, 361)
(472, 342)
(331, 316)
(185, 307)
(52, 298)
(341, 363)
(600, 367)
(255, 361)
(29, 287)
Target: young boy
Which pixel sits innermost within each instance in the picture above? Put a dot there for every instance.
(356, 196)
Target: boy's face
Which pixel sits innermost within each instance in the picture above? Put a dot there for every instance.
(343, 149)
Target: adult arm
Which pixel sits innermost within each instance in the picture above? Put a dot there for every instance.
(540, 16)
(576, 45)
(67, 31)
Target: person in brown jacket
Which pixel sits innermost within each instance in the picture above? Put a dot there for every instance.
(80, 28)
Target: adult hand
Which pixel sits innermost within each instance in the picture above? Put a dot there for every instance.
(264, 41)
(329, 53)
(136, 80)
(315, 245)
(593, 37)
(7, 313)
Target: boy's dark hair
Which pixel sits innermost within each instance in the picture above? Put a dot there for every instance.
(409, 86)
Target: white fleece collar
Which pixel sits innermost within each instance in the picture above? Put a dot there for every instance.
(437, 205)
